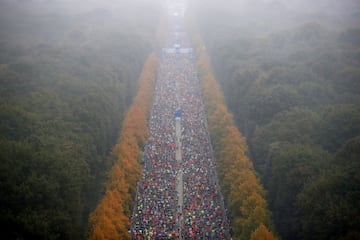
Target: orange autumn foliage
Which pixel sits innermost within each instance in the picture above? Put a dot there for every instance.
(111, 218)
(242, 189)
(262, 233)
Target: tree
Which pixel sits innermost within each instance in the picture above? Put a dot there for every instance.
(328, 206)
(111, 218)
(290, 170)
(262, 233)
(241, 187)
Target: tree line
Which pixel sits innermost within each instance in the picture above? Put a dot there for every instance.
(244, 195)
(66, 80)
(111, 218)
(292, 85)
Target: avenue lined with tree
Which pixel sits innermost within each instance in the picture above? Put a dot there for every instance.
(175, 119)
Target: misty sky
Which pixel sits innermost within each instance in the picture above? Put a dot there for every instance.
(300, 5)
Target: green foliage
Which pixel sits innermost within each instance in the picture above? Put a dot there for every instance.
(40, 191)
(66, 81)
(287, 172)
(111, 218)
(332, 199)
(292, 127)
(292, 84)
(239, 183)
(341, 123)
(291, 150)
(16, 123)
(265, 104)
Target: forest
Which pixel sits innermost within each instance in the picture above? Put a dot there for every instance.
(290, 76)
(75, 93)
(68, 74)
(244, 195)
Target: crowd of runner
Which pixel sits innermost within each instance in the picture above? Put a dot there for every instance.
(157, 214)
(203, 209)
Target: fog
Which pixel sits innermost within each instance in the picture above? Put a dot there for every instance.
(270, 11)
(289, 71)
(75, 5)
(50, 21)
(320, 6)
(68, 73)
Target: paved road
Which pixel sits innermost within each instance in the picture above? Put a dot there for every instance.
(178, 195)
(179, 178)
